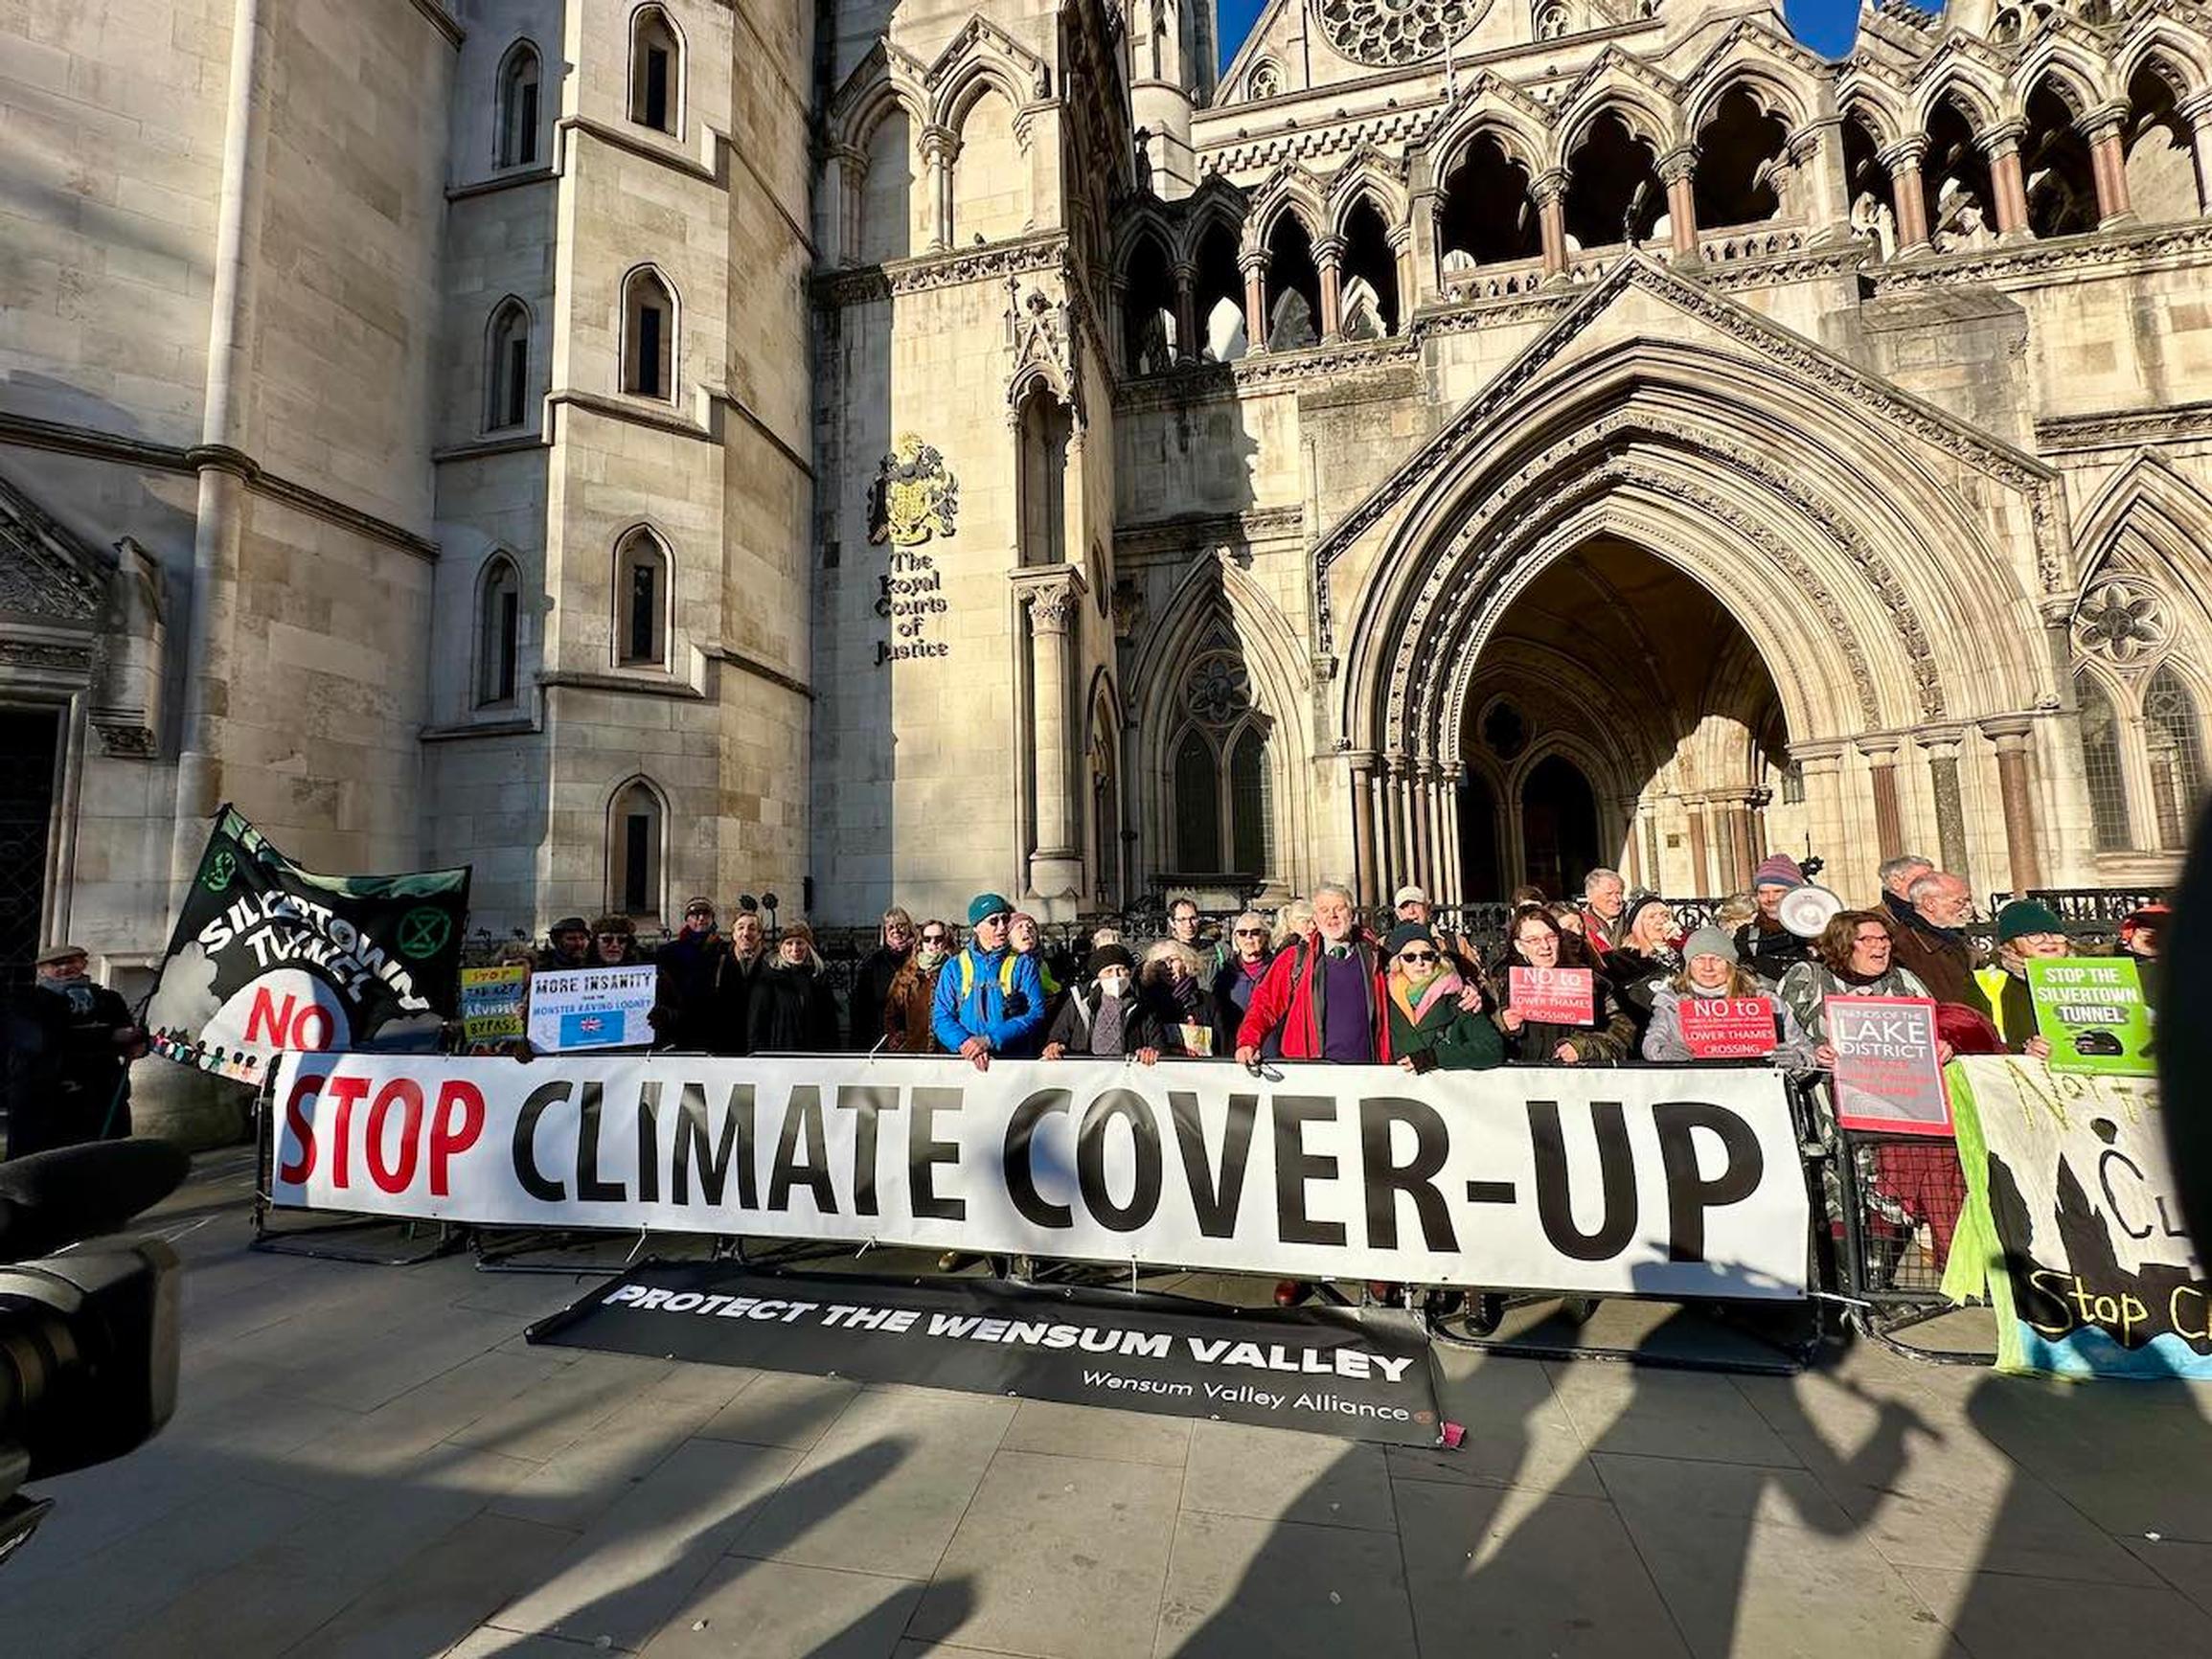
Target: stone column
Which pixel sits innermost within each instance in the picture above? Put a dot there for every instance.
(2109, 161)
(1454, 878)
(1743, 842)
(224, 471)
(1055, 867)
(1254, 264)
(2011, 738)
(1328, 260)
(856, 201)
(1188, 347)
(1889, 822)
(1815, 151)
(1549, 193)
(1908, 197)
(1402, 821)
(1422, 246)
(1424, 798)
(1440, 861)
(1632, 849)
(939, 145)
(1120, 346)
(1823, 763)
(1388, 848)
(834, 250)
(2001, 144)
(1701, 867)
(1364, 879)
(1678, 170)
(1940, 745)
(1401, 253)
(2197, 111)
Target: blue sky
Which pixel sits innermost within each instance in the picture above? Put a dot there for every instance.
(1824, 25)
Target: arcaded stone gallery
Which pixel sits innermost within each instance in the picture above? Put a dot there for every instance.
(880, 449)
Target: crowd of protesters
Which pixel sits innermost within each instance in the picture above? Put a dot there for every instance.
(1316, 982)
(1313, 981)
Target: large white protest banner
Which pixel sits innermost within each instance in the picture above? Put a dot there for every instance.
(1669, 1183)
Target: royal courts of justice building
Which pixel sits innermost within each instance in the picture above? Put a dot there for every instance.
(880, 449)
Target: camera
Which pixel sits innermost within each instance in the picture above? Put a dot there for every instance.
(88, 1332)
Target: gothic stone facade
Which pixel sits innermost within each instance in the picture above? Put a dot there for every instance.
(884, 449)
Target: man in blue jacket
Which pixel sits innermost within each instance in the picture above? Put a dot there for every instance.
(990, 1001)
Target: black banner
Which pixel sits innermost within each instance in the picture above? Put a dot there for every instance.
(267, 957)
(1361, 1374)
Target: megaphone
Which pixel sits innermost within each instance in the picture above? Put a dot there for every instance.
(1806, 910)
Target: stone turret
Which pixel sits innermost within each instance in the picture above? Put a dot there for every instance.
(1172, 46)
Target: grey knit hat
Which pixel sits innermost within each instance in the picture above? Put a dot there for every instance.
(1710, 941)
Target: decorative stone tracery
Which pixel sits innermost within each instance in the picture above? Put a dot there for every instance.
(1386, 34)
(2121, 621)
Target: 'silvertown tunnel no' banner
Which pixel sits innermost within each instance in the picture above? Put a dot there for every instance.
(1676, 1183)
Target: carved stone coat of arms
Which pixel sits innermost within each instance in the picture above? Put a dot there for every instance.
(914, 497)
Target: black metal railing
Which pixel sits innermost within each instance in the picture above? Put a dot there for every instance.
(2086, 909)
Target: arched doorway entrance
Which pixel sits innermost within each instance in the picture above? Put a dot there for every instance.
(1636, 726)
(1559, 826)
(1478, 849)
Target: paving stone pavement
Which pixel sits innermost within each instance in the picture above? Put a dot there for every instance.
(369, 1460)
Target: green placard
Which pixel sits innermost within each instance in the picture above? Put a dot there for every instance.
(2090, 1010)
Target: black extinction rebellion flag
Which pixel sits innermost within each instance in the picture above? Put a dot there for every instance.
(269, 957)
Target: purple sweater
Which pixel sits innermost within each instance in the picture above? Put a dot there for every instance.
(1347, 1023)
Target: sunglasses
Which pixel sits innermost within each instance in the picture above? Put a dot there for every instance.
(611, 938)
(1251, 933)
(1417, 956)
(936, 939)
(998, 919)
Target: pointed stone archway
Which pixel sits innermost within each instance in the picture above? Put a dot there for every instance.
(1633, 721)
(1881, 558)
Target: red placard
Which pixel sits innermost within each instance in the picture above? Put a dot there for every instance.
(1887, 1077)
(1552, 995)
(1727, 1027)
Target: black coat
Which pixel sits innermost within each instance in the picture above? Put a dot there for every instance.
(871, 990)
(791, 1011)
(685, 1017)
(1608, 1040)
(1634, 977)
(1071, 1027)
(1231, 993)
(735, 984)
(1165, 1008)
(1770, 952)
(66, 1079)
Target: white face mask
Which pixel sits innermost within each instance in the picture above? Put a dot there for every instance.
(1113, 985)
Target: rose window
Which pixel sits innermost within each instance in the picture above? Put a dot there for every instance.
(1393, 32)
